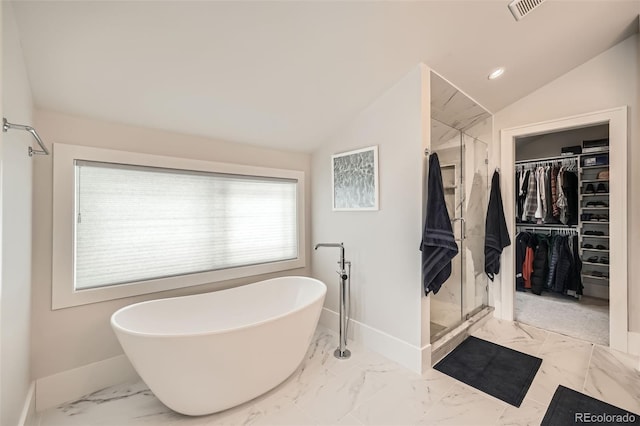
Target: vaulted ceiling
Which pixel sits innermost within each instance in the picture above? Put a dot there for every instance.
(288, 74)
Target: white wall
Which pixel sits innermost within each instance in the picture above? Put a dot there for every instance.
(383, 245)
(607, 81)
(69, 338)
(15, 291)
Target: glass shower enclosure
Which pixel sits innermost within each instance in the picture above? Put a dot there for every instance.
(459, 131)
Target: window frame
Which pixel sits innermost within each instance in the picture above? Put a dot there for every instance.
(64, 293)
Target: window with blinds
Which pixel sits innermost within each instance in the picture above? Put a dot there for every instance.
(137, 223)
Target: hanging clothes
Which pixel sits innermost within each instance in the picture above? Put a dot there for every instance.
(540, 265)
(522, 241)
(570, 189)
(548, 216)
(531, 202)
(575, 278)
(547, 193)
(563, 266)
(540, 199)
(554, 193)
(548, 263)
(523, 186)
(527, 266)
(553, 261)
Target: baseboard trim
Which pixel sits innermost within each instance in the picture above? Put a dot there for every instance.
(28, 416)
(378, 341)
(426, 358)
(70, 385)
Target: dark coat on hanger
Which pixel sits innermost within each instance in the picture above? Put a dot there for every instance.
(570, 189)
(540, 265)
(564, 266)
(522, 241)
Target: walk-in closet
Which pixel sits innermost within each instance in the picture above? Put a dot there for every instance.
(562, 232)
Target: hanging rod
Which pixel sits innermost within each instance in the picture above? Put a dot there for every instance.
(542, 160)
(6, 126)
(565, 229)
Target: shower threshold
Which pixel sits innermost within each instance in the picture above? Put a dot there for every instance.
(453, 337)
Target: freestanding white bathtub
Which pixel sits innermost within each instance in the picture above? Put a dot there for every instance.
(208, 352)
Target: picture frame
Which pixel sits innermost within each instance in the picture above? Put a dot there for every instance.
(354, 177)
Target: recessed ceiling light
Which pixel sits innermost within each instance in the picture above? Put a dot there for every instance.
(496, 73)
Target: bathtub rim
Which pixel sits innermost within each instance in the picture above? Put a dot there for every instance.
(116, 327)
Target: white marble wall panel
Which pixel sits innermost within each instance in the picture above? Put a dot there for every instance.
(452, 107)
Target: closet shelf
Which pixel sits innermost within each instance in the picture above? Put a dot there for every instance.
(593, 249)
(584, 262)
(592, 153)
(602, 166)
(593, 222)
(595, 194)
(595, 208)
(594, 180)
(546, 226)
(594, 277)
(595, 236)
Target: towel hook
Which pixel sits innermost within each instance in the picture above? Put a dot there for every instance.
(6, 126)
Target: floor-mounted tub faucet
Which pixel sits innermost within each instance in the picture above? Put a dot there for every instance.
(341, 352)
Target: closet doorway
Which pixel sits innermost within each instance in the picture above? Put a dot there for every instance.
(600, 245)
(562, 232)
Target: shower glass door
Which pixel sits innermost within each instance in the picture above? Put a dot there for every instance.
(463, 164)
(459, 129)
(474, 210)
(446, 305)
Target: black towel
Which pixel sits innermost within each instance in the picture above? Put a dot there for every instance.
(438, 242)
(496, 235)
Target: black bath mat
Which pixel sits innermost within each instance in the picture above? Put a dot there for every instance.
(501, 372)
(569, 407)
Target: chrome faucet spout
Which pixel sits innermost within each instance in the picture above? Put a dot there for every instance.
(338, 245)
(341, 245)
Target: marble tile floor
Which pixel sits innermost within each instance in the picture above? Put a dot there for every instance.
(368, 389)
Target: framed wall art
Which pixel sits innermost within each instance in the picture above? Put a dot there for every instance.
(355, 179)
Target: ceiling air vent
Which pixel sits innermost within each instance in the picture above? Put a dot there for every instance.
(521, 8)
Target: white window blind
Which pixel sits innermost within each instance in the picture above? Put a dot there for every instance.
(136, 223)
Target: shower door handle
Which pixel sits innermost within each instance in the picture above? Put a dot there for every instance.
(464, 225)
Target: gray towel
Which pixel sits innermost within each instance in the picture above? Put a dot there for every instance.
(496, 234)
(438, 242)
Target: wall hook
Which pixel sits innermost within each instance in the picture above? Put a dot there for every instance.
(6, 126)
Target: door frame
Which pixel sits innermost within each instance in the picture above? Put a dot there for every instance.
(616, 118)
